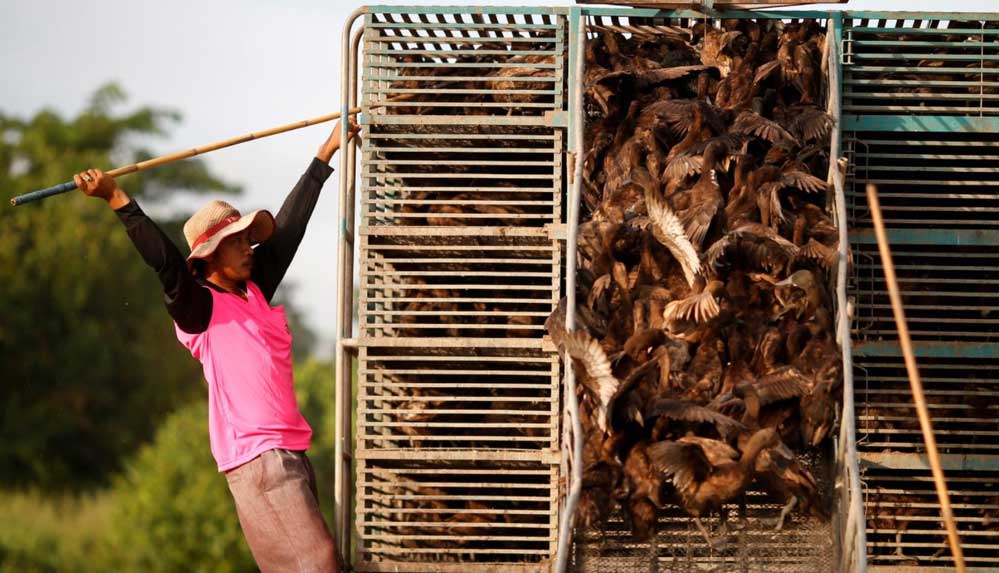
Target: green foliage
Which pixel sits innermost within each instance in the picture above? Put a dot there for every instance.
(91, 364)
(173, 510)
(314, 391)
(170, 510)
(52, 534)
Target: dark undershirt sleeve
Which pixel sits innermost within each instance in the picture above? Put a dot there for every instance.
(189, 303)
(272, 258)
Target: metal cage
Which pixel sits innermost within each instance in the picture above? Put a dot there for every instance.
(920, 109)
(461, 258)
(462, 454)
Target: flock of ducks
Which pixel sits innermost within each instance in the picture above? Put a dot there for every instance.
(704, 344)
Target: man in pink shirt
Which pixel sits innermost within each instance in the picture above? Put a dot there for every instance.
(219, 298)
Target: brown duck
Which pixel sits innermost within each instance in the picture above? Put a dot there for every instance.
(708, 473)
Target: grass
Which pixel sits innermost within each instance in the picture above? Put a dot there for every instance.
(40, 533)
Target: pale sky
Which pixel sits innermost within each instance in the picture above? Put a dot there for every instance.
(230, 67)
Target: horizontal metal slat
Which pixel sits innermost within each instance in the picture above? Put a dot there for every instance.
(953, 237)
(381, 215)
(456, 385)
(911, 30)
(524, 301)
(929, 349)
(917, 109)
(458, 189)
(547, 120)
(462, 136)
(390, 566)
(463, 273)
(394, 471)
(465, 385)
(429, 454)
(443, 524)
(922, 97)
(385, 479)
(506, 27)
(931, 57)
(458, 175)
(892, 460)
(465, 162)
(391, 441)
(465, 231)
(921, 124)
(436, 411)
(374, 51)
(460, 551)
(454, 343)
(381, 510)
(489, 150)
(454, 326)
(453, 313)
(405, 65)
(456, 40)
(905, 43)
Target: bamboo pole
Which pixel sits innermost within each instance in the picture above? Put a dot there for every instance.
(918, 397)
(195, 151)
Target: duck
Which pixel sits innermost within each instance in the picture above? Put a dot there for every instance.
(705, 197)
(740, 206)
(669, 231)
(700, 306)
(643, 490)
(530, 66)
(751, 122)
(778, 471)
(760, 246)
(799, 61)
(819, 408)
(714, 49)
(707, 473)
(599, 382)
(745, 80)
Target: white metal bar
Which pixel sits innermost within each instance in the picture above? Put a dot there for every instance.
(853, 558)
(342, 326)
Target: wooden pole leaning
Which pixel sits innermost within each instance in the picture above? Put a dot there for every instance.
(918, 396)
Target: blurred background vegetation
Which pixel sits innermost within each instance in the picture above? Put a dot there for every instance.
(104, 456)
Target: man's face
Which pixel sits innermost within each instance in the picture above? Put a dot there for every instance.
(234, 257)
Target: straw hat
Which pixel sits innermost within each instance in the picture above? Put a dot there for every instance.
(218, 220)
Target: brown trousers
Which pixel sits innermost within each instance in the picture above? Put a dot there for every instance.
(278, 507)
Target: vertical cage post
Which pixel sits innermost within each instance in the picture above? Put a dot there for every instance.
(343, 317)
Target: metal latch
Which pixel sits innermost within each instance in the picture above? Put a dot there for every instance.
(557, 118)
(556, 231)
(552, 457)
(846, 48)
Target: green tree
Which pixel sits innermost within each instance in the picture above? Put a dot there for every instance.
(90, 361)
